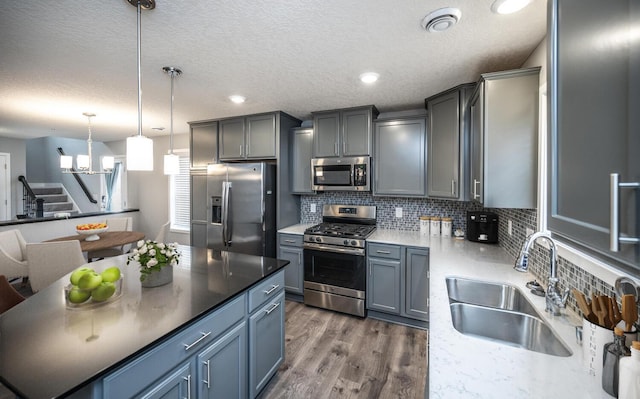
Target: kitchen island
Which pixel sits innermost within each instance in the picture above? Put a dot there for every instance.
(151, 340)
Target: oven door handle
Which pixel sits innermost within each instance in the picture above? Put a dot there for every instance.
(330, 248)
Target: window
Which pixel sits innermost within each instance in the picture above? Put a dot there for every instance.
(179, 197)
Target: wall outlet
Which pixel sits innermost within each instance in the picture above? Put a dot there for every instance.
(529, 231)
(510, 227)
(313, 208)
(398, 212)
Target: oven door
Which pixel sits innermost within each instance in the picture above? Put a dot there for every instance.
(335, 267)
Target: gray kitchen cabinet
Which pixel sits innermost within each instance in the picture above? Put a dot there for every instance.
(416, 296)
(177, 385)
(594, 97)
(301, 154)
(250, 137)
(203, 144)
(266, 341)
(400, 157)
(504, 139)
(290, 248)
(199, 208)
(398, 282)
(448, 143)
(222, 367)
(344, 132)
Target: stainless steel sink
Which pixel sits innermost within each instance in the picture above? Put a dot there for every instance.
(508, 327)
(484, 293)
(500, 313)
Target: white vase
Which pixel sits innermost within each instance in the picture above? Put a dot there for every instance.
(158, 278)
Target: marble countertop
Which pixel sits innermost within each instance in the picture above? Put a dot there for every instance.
(465, 367)
(47, 350)
(296, 228)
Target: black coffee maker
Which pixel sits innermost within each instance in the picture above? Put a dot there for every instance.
(482, 226)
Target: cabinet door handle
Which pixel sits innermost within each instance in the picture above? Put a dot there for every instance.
(188, 379)
(208, 380)
(344, 147)
(453, 187)
(383, 252)
(614, 232)
(241, 149)
(272, 308)
(299, 258)
(335, 148)
(247, 150)
(475, 188)
(273, 288)
(194, 343)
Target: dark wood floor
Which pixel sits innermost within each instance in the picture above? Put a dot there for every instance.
(331, 355)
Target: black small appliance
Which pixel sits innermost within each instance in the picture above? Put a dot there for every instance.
(482, 226)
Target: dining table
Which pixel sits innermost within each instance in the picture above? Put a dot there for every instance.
(108, 239)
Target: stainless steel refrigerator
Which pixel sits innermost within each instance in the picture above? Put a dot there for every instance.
(241, 212)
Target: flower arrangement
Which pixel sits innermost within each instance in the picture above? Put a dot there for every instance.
(153, 256)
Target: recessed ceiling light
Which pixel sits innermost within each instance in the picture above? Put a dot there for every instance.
(237, 99)
(441, 19)
(509, 6)
(369, 77)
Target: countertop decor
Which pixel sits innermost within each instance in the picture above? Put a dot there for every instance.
(155, 260)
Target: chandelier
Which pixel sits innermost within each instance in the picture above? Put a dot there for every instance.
(84, 163)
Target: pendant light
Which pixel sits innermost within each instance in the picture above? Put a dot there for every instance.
(84, 163)
(171, 160)
(139, 147)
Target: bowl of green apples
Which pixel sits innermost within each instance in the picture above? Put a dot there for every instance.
(89, 288)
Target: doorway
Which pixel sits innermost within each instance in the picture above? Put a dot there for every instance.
(114, 198)
(5, 186)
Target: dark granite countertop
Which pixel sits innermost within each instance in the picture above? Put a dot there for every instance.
(47, 350)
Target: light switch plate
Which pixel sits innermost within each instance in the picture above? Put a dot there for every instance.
(313, 208)
(398, 212)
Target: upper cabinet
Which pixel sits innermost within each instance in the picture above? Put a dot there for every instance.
(504, 139)
(594, 97)
(448, 143)
(345, 132)
(205, 137)
(400, 157)
(249, 137)
(301, 154)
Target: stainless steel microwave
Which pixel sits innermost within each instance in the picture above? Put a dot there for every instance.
(341, 174)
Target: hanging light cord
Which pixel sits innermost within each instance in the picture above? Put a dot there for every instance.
(139, 72)
(172, 72)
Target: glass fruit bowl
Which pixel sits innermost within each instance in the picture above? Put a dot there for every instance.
(92, 235)
(75, 298)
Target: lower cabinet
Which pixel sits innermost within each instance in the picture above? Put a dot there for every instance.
(266, 343)
(231, 353)
(290, 248)
(398, 280)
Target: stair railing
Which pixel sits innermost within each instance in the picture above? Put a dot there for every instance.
(32, 206)
(79, 180)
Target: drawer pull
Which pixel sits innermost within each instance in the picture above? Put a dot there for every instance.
(208, 380)
(204, 335)
(383, 252)
(272, 308)
(273, 288)
(290, 241)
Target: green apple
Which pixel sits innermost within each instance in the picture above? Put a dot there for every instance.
(103, 292)
(75, 276)
(111, 274)
(77, 295)
(89, 281)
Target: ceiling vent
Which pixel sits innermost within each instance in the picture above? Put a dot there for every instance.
(441, 19)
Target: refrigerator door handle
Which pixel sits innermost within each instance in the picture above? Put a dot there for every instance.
(229, 216)
(225, 203)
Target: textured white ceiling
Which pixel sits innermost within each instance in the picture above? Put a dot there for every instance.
(61, 58)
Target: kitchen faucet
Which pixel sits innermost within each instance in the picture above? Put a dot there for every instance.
(555, 301)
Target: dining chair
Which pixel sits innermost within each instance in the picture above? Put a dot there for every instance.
(48, 261)
(9, 297)
(162, 234)
(114, 224)
(13, 259)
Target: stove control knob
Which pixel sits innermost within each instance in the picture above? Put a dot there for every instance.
(346, 242)
(354, 243)
(318, 239)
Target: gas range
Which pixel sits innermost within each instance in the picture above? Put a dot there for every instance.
(343, 226)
